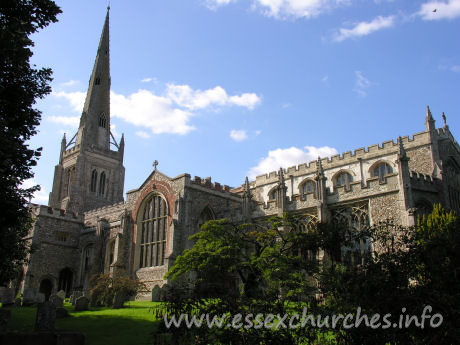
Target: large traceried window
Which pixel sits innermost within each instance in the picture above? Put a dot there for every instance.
(153, 232)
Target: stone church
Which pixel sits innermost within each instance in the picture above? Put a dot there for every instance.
(88, 226)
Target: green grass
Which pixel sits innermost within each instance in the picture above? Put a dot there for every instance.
(132, 325)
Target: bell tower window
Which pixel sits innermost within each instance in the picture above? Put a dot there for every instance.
(102, 184)
(93, 181)
(102, 120)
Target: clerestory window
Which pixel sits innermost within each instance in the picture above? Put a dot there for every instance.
(382, 170)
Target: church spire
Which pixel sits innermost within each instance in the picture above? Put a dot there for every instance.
(95, 119)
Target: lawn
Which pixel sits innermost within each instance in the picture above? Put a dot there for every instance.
(131, 325)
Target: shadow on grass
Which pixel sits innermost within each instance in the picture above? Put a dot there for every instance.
(134, 325)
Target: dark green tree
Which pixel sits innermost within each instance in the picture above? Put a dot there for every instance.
(20, 86)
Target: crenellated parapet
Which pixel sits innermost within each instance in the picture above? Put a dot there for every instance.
(52, 212)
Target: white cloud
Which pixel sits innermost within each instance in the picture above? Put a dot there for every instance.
(184, 96)
(169, 113)
(148, 80)
(364, 28)
(325, 79)
(289, 157)
(238, 135)
(455, 68)
(362, 84)
(284, 9)
(142, 134)
(76, 99)
(258, 132)
(214, 4)
(70, 121)
(145, 109)
(41, 196)
(70, 83)
(444, 10)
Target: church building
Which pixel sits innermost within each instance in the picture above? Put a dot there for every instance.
(89, 227)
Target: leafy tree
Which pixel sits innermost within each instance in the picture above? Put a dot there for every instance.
(106, 286)
(275, 265)
(20, 86)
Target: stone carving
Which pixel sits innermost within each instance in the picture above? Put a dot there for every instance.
(81, 303)
(46, 316)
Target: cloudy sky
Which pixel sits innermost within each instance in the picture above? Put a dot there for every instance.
(235, 88)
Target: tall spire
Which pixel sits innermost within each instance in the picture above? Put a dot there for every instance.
(96, 111)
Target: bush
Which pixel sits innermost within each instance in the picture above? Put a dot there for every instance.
(106, 287)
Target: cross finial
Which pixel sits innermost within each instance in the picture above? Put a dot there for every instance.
(155, 163)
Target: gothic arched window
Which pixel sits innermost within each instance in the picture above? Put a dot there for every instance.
(102, 184)
(308, 187)
(93, 181)
(102, 120)
(153, 232)
(343, 179)
(88, 258)
(273, 194)
(382, 170)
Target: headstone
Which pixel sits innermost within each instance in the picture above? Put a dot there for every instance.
(165, 294)
(61, 294)
(5, 316)
(17, 302)
(118, 300)
(7, 296)
(61, 313)
(58, 302)
(156, 294)
(81, 303)
(46, 315)
(28, 297)
(94, 300)
(40, 297)
(74, 297)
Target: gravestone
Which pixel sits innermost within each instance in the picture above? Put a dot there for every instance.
(5, 316)
(156, 294)
(118, 300)
(58, 302)
(7, 296)
(74, 297)
(61, 313)
(81, 303)
(17, 302)
(61, 294)
(28, 297)
(40, 297)
(46, 315)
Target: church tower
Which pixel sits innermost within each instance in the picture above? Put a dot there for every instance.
(90, 174)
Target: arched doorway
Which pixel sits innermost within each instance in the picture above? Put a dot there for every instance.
(65, 281)
(46, 286)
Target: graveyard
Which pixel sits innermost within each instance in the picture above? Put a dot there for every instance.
(133, 324)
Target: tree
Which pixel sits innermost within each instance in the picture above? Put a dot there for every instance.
(268, 268)
(20, 86)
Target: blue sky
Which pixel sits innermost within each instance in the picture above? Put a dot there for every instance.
(230, 88)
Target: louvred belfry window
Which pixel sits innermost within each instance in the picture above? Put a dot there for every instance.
(153, 232)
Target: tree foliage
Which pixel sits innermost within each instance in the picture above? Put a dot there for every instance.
(106, 286)
(406, 270)
(20, 86)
